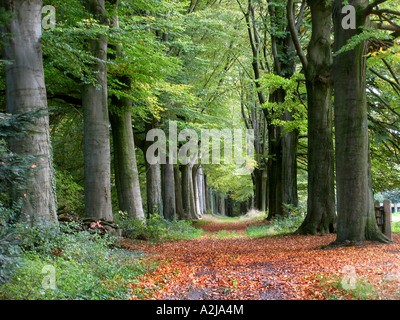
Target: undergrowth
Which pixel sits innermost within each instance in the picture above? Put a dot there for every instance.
(156, 228)
(59, 263)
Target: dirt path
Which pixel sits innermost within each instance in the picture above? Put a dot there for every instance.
(286, 267)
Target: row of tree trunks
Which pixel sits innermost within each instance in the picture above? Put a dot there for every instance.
(281, 156)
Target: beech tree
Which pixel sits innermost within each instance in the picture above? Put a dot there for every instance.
(125, 166)
(97, 157)
(317, 66)
(26, 92)
(356, 217)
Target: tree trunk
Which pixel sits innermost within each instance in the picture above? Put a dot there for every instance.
(195, 169)
(96, 127)
(321, 196)
(153, 179)
(221, 205)
(356, 219)
(26, 92)
(207, 195)
(289, 166)
(178, 194)
(153, 187)
(168, 190)
(125, 168)
(188, 199)
(201, 186)
(274, 166)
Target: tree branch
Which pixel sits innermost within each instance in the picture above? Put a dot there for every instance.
(295, 38)
(371, 6)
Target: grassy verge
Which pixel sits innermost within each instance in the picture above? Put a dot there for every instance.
(60, 264)
(51, 263)
(277, 227)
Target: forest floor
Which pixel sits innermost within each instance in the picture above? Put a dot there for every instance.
(290, 267)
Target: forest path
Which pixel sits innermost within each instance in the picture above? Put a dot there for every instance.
(235, 266)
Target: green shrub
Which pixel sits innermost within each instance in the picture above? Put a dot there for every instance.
(156, 228)
(396, 226)
(70, 195)
(87, 266)
(9, 240)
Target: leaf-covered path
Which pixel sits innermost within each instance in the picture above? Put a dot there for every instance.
(284, 267)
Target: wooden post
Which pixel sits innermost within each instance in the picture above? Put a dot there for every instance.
(387, 221)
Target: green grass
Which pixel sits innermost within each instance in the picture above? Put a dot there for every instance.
(277, 227)
(224, 234)
(157, 229)
(360, 289)
(396, 226)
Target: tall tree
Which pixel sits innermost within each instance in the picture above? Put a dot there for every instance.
(317, 66)
(125, 167)
(97, 158)
(356, 218)
(168, 190)
(26, 92)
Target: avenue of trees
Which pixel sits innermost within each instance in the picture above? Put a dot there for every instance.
(317, 82)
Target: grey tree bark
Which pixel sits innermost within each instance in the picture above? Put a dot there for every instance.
(125, 166)
(26, 92)
(178, 194)
(188, 199)
(356, 218)
(168, 190)
(153, 187)
(97, 159)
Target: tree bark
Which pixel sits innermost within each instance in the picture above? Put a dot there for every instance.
(125, 167)
(26, 92)
(168, 190)
(207, 195)
(221, 205)
(153, 187)
(188, 199)
(178, 194)
(318, 71)
(153, 179)
(97, 159)
(356, 218)
(274, 172)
